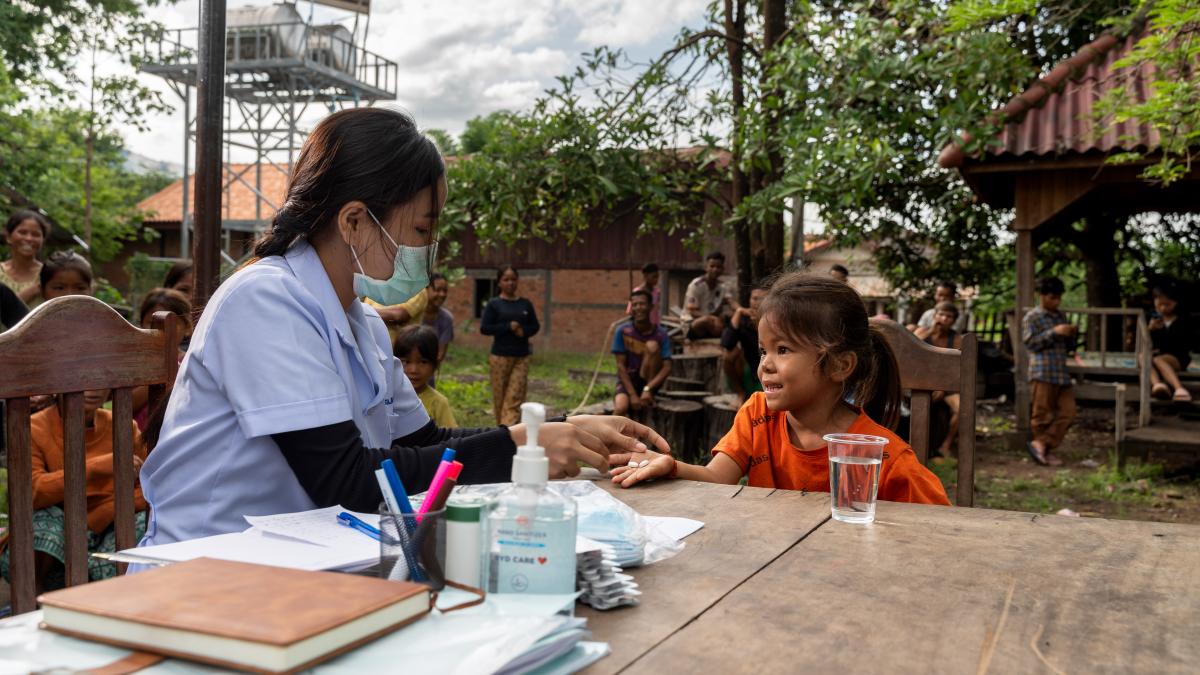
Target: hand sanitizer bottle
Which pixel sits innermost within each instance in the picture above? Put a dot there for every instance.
(529, 530)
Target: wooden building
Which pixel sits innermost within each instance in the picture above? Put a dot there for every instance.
(578, 289)
(1049, 164)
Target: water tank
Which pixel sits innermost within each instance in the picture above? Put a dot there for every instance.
(333, 46)
(263, 33)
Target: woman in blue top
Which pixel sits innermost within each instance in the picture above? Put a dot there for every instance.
(289, 397)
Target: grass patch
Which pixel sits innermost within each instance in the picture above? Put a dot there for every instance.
(464, 380)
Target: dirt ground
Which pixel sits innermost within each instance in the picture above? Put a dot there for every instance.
(1165, 489)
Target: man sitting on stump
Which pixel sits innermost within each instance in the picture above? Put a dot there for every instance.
(708, 301)
(643, 353)
(739, 345)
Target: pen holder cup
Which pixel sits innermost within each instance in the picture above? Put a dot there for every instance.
(413, 547)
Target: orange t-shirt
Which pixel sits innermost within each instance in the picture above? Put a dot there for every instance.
(759, 443)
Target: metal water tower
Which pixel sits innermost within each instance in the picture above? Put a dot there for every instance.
(277, 64)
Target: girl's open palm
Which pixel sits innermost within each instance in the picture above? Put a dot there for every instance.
(656, 465)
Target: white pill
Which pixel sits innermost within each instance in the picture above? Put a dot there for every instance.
(645, 462)
(633, 463)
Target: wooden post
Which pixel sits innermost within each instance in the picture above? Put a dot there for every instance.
(1024, 303)
(210, 93)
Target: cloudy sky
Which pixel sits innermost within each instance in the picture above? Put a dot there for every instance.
(462, 58)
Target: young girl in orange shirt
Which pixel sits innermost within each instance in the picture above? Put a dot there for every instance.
(821, 361)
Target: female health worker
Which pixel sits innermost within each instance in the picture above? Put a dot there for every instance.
(289, 397)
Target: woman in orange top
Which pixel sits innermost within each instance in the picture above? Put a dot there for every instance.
(49, 540)
(819, 354)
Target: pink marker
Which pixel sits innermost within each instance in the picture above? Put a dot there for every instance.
(439, 477)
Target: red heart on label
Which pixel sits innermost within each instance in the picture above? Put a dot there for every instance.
(541, 561)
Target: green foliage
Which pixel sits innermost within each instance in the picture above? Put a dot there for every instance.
(568, 165)
(1168, 53)
(444, 141)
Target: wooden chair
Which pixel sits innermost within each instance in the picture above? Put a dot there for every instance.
(925, 369)
(67, 346)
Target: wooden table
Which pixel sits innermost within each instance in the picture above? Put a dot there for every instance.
(771, 584)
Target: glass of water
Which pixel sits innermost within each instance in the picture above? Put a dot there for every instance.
(854, 462)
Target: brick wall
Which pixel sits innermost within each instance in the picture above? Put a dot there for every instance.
(581, 306)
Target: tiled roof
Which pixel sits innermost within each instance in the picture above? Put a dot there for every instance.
(1055, 115)
(239, 204)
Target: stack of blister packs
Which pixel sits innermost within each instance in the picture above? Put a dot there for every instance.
(601, 582)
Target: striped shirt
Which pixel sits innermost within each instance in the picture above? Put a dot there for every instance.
(1047, 350)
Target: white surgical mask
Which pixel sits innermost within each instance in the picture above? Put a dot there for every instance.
(410, 272)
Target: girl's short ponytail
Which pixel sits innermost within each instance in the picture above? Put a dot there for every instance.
(881, 391)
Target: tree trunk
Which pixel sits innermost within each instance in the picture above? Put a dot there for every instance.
(774, 26)
(1096, 245)
(89, 150)
(735, 29)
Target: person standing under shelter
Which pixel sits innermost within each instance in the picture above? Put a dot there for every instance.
(511, 321)
(1050, 337)
(650, 285)
(739, 342)
(643, 353)
(708, 301)
(840, 273)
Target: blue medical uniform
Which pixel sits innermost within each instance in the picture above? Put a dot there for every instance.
(274, 352)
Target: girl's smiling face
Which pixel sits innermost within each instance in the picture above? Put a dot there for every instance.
(790, 372)
(66, 282)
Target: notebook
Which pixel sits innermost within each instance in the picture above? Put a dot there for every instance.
(236, 615)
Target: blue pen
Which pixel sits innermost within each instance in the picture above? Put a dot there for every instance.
(393, 476)
(350, 520)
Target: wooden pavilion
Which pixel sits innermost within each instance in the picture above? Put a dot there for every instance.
(1049, 164)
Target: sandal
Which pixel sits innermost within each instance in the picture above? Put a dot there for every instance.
(1183, 395)
(1038, 457)
(1160, 390)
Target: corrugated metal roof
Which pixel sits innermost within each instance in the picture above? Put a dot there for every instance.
(1055, 115)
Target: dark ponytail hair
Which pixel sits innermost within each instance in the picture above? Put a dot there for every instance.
(62, 261)
(828, 315)
(373, 155)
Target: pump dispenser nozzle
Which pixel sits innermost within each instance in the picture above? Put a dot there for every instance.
(530, 466)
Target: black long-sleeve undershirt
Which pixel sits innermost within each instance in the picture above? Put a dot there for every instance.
(333, 467)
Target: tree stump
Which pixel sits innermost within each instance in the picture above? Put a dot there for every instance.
(703, 367)
(680, 423)
(719, 412)
(685, 395)
(685, 384)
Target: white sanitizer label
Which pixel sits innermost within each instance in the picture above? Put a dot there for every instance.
(528, 556)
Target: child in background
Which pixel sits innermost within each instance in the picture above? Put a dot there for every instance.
(1050, 336)
(1172, 337)
(65, 273)
(417, 349)
(160, 300)
(819, 353)
(49, 539)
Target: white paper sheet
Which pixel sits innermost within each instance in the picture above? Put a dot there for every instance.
(319, 526)
(679, 528)
(254, 546)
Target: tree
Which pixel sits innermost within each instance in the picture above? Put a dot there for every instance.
(483, 130)
(53, 155)
(444, 141)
